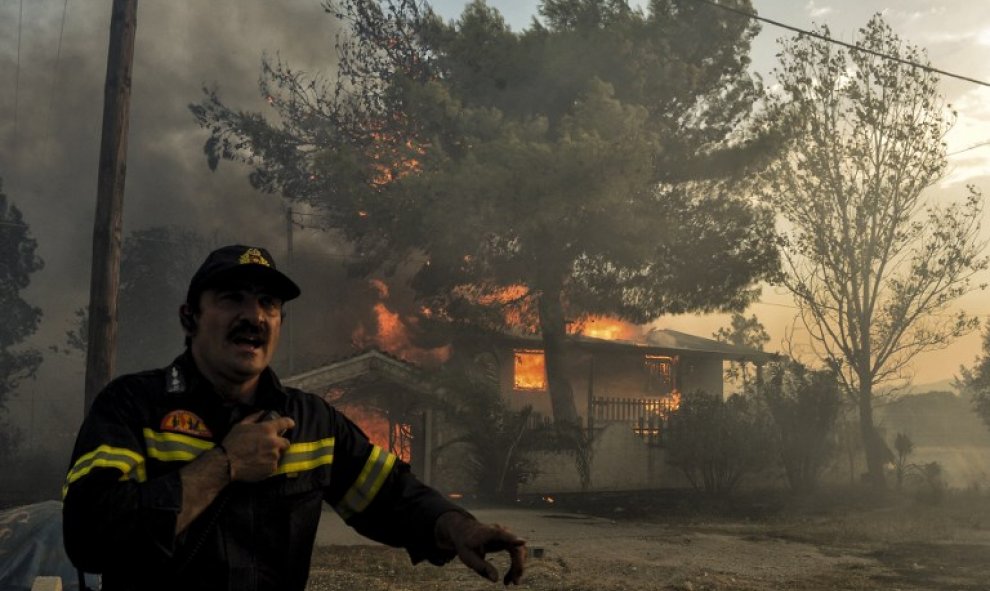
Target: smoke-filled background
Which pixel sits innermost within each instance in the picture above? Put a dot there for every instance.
(52, 72)
(50, 148)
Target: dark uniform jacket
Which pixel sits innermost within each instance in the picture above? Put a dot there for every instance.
(122, 493)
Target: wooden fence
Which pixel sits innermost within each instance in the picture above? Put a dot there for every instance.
(646, 416)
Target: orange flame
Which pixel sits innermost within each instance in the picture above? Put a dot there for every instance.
(530, 370)
(604, 327)
(392, 333)
(381, 287)
(377, 428)
(393, 158)
(513, 302)
(666, 405)
(505, 295)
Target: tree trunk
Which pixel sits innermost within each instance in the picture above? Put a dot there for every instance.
(554, 331)
(871, 440)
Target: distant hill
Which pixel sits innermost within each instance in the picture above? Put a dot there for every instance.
(945, 385)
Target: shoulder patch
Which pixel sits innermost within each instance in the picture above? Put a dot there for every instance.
(175, 382)
(184, 421)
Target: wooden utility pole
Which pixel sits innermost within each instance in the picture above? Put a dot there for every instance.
(105, 277)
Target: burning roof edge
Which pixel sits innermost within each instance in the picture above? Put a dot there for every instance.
(666, 340)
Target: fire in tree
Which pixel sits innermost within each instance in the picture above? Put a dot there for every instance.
(391, 332)
(586, 159)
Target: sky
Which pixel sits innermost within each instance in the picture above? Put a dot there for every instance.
(52, 71)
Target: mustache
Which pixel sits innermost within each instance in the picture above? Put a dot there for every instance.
(247, 329)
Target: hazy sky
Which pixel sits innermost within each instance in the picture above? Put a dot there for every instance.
(49, 143)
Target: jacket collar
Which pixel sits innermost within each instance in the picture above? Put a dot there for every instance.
(182, 377)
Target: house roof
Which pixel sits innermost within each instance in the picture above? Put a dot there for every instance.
(672, 339)
(366, 366)
(666, 341)
(375, 368)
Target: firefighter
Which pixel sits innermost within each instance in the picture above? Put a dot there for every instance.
(209, 474)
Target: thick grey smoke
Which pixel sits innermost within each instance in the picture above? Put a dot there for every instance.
(49, 145)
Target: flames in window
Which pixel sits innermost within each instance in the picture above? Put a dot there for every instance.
(529, 370)
(659, 374)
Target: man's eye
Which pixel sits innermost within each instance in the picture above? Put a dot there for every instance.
(270, 303)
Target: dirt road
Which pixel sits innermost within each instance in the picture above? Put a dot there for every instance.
(878, 549)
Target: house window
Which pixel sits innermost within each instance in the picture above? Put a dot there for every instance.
(529, 370)
(659, 374)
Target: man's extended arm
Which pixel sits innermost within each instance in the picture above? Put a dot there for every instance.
(377, 495)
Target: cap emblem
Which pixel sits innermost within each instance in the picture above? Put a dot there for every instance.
(253, 256)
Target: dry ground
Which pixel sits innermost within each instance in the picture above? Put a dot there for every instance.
(667, 542)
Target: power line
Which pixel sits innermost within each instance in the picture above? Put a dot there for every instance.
(774, 305)
(58, 51)
(58, 55)
(973, 147)
(794, 307)
(852, 46)
(51, 94)
(17, 72)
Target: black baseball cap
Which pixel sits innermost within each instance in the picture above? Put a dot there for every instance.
(239, 262)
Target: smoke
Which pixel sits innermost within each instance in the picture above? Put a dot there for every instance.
(49, 143)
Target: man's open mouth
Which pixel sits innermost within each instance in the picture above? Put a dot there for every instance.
(250, 341)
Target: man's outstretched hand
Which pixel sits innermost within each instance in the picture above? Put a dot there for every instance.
(472, 539)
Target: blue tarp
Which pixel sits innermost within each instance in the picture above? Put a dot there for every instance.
(31, 546)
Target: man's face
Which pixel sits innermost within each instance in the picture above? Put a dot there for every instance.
(237, 330)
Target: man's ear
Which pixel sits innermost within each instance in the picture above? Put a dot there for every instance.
(187, 319)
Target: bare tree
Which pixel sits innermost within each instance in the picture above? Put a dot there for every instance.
(872, 263)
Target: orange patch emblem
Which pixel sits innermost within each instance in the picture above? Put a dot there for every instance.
(183, 421)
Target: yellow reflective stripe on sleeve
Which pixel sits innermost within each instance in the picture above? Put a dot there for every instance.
(171, 447)
(306, 456)
(369, 482)
(128, 462)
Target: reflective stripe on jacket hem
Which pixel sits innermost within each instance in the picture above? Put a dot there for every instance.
(130, 464)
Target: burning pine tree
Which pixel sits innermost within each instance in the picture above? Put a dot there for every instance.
(582, 164)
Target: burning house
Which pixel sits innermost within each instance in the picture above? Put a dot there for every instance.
(625, 385)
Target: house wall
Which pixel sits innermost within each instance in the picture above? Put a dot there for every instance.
(620, 461)
(615, 374)
(701, 373)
